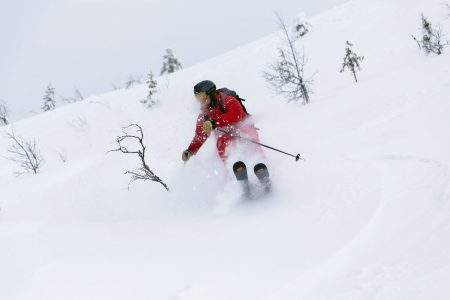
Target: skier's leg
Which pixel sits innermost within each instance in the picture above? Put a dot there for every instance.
(223, 141)
(248, 130)
(239, 169)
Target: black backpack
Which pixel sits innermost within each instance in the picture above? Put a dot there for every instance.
(231, 93)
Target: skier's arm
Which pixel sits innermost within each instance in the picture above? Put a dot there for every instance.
(234, 113)
(200, 136)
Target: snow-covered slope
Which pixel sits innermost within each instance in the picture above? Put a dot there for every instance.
(366, 216)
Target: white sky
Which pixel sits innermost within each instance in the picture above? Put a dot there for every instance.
(91, 44)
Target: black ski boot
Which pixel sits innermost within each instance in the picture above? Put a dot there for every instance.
(262, 173)
(240, 171)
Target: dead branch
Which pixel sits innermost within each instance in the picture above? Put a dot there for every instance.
(286, 75)
(25, 153)
(144, 172)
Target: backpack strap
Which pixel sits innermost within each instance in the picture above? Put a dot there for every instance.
(220, 104)
(222, 109)
(243, 106)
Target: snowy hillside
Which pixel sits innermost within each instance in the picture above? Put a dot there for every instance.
(365, 216)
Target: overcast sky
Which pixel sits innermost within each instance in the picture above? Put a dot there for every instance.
(92, 44)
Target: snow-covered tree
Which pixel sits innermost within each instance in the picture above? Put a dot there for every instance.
(301, 26)
(351, 61)
(447, 6)
(49, 99)
(431, 41)
(170, 63)
(286, 75)
(4, 113)
(132, 81)
(152, 84)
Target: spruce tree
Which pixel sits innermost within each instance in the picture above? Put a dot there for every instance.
(49, 99)
(170, 63)
(4, 113)
(351, 61)
(301, 26)
(152, 84)
(431, 41)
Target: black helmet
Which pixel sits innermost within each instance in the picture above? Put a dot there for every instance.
(206, 86)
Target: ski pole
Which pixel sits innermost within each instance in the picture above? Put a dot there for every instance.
(297, 157)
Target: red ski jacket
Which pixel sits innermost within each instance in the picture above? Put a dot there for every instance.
(223, 111)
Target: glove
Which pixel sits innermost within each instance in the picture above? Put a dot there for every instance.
(209, 126)
(186, 155)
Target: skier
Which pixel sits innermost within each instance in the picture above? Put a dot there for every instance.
(219, 110)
